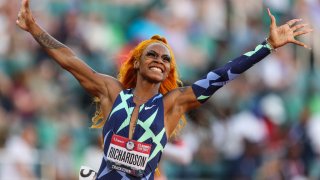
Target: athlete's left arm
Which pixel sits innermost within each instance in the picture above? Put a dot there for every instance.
(181, 100)
(279, 36)
(190, 97)
(184, 99)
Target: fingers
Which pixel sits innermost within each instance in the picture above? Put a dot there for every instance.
(299, 26)
(19, 17)
(300, 44)
(272, 18)
(24, 10)
(298, 33)
(292, 22)
(25, 4)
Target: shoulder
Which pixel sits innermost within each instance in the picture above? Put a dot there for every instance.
(112, 87)
(178, 93)
(181, 99)
(173, 97)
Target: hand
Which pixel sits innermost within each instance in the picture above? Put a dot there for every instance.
(281, 35)
(25, 19)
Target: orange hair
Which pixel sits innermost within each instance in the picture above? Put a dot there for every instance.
(128, 77)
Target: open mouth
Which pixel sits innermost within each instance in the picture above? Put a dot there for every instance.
(156, 69)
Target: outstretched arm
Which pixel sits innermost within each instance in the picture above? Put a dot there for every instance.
(95, 83)
(215, 79)
(187, 98)
(279, 36)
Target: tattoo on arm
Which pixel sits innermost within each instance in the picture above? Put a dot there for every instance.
(47, 41)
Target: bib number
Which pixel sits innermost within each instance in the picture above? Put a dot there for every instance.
(128, 155)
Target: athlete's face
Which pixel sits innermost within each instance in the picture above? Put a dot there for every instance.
(155, 63)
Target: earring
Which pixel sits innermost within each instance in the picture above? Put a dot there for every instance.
(135, 66)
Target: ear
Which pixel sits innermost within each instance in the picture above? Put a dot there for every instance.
(136, 64)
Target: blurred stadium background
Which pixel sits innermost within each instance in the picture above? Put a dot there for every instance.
(264, 125)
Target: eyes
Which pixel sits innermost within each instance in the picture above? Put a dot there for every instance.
(166, 58)
(151, 54)
(155, 55)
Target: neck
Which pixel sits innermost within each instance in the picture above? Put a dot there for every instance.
(144, 90)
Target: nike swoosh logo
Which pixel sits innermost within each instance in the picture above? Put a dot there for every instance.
(147, 108)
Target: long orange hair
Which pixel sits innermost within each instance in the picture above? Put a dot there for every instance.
(128, 77)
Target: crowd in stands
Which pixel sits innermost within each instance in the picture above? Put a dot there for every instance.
(263, 125)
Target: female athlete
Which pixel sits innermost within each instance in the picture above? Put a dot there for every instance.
(141, 109)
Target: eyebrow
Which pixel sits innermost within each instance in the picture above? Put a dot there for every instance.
(165, 55)
(152, 51)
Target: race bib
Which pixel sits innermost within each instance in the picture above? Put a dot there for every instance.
(128, 155)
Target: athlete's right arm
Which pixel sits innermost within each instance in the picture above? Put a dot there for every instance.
(95, 83)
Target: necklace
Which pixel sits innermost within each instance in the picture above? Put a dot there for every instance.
(139, 98)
